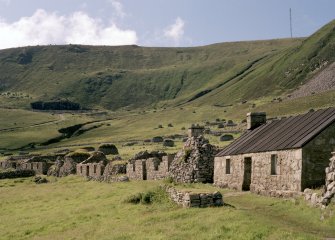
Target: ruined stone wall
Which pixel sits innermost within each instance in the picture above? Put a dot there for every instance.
(287, 177)
(158, 169)
(188, 199)
(90, 169)
(316, 155)
(137, 170)
(38, 167)
(7, 164)
(195, 162)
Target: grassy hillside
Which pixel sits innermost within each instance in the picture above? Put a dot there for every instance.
(114, 77)
(133, 76)
(166, 85)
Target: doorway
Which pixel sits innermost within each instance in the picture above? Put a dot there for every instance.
(87, 170)
(247, 174)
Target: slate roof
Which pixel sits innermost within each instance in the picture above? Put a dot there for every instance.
(288, 133)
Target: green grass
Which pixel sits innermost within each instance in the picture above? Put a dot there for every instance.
(72, 208)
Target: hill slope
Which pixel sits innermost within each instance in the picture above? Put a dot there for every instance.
(132, 76)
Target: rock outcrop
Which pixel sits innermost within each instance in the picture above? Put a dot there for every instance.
(195, 162)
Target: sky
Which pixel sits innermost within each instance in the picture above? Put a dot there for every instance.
(175, 23)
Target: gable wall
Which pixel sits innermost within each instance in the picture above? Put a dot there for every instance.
(316, 155)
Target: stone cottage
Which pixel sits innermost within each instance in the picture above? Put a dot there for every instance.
(278, 157)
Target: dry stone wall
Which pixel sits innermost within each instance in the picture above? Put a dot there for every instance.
(189, 199)
(328, 194)
(90, 169)
(38, 167)
(158, 169)
(137, 170)
(152, 168)
(316, 155)
(195, 162)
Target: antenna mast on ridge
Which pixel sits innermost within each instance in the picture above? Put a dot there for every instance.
(291, 23)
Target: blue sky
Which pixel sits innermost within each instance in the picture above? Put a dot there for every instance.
(156, 22)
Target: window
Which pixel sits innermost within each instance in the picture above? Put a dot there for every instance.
(228, 166)
(95, 169)
(274, 164)
(81, 169)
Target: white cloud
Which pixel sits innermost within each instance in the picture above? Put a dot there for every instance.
(50, 28)
(176, 30)
(118, 8)
(6, 2)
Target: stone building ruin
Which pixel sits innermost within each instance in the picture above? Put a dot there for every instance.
(94, 166)
(195, 162)
(195, 130)
(153, 168)
(281, 157)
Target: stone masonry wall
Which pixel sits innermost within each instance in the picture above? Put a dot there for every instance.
(189, 199)
(158, 169)
(150, 169)
(316, 155)
(234, 180)
(195, 162)
(287, 178)
(137, 170)
(90, 169)
(7, 164)
(38, 167)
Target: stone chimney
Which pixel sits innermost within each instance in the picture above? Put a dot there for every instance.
(195, 131)
(255, 119)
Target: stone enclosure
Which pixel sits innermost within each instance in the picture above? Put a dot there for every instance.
(189, 199)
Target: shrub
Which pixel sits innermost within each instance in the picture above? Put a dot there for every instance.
(17, 174)
(156, 195)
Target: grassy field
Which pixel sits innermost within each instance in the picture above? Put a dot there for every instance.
(72, 208)
(137, 125)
